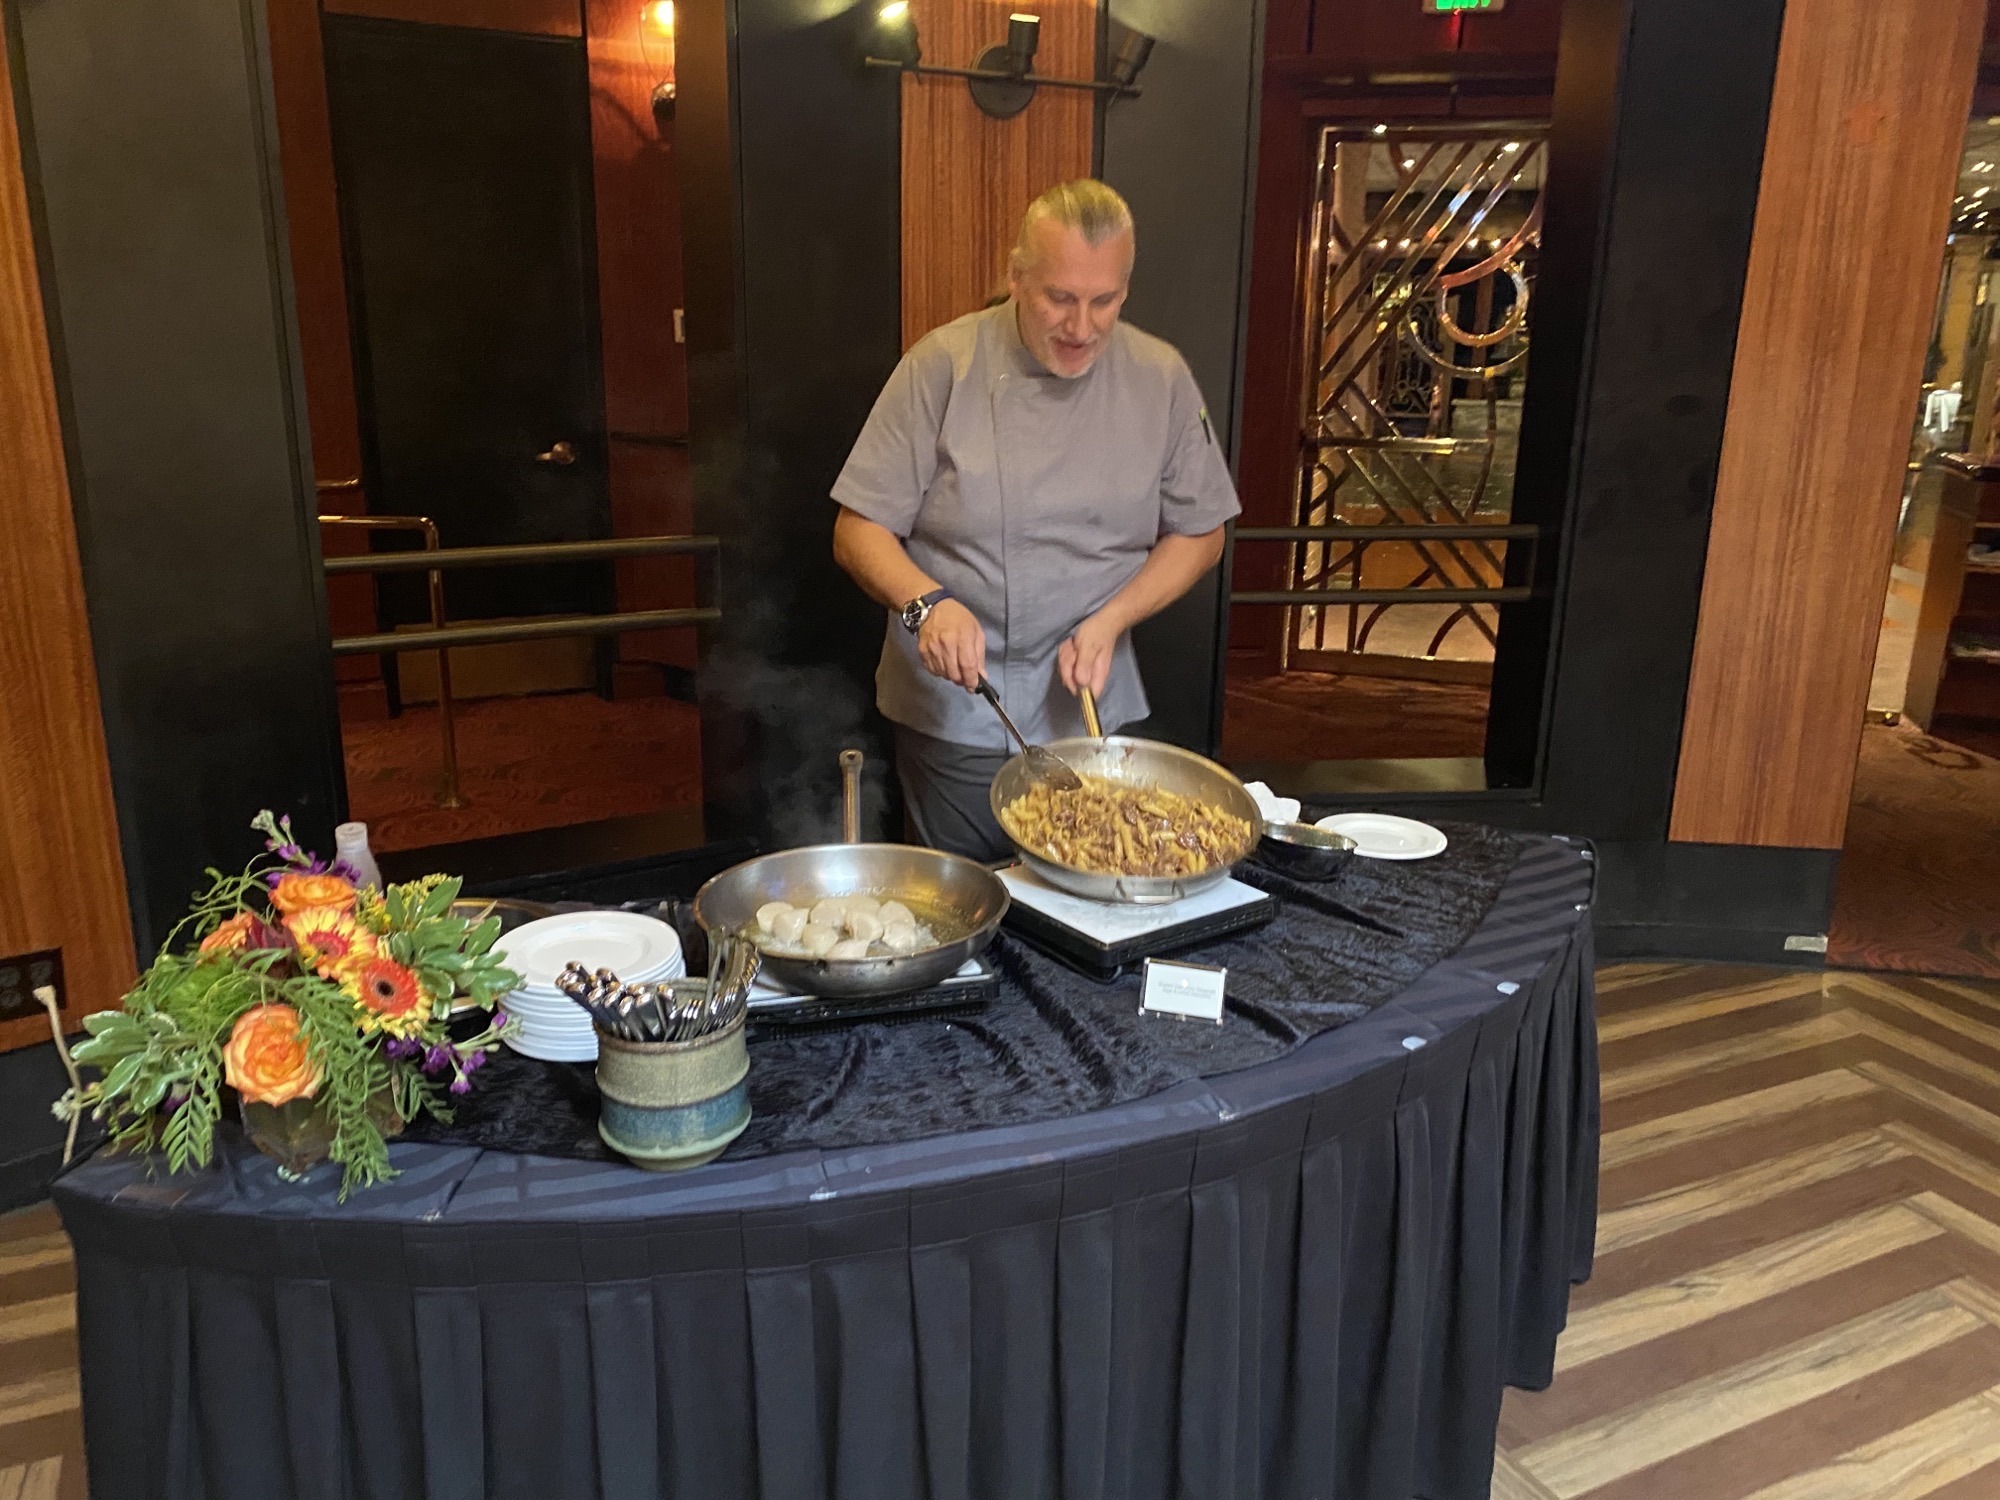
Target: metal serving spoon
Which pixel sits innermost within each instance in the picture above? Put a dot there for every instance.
(1044, 765)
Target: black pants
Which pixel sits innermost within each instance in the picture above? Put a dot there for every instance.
(945, 789)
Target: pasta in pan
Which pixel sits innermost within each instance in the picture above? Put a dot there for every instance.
(1115, 828)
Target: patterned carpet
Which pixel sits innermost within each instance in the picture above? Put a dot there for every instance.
(1797, 1293)
(1919, 883)
(1307, 716)
(524, 763)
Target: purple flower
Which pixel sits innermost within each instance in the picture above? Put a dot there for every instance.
(439, 1058)
(398, 1046)
(500, 1018)
(473, 1061)
(461, 1085)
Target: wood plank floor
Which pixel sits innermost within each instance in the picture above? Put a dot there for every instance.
(1797, 1293)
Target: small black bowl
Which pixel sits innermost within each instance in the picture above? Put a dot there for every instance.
(1303, 852)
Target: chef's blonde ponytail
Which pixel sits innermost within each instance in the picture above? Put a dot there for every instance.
(1086, 205)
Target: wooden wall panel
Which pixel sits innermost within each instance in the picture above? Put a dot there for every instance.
(535, 17)
(639, 284)
(966, 176)
(62, 880)
(1867, 115)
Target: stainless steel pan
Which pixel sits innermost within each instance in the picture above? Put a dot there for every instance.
(961, 902)
(1143, 763)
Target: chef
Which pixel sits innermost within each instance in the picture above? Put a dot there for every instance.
(1034, 480)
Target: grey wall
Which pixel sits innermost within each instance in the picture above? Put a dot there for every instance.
(1182, 155)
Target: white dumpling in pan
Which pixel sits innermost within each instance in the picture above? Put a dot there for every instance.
(769, 913)
(892, 912)
(849, 948)
(900, 937)
(863, 903)
(831, 912)
(788, 926)
(818, 939)
(864, 925)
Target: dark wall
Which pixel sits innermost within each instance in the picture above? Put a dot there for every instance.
(1182, 155)
(153, 177)
(790, 195)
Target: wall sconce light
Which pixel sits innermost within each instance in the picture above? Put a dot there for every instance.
(1002, 79)
(656, 42)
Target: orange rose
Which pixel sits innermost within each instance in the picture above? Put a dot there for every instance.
(297, 893)
(265, 1060)
(244, 930)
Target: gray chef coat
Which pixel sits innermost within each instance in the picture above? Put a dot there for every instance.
(1033, 499)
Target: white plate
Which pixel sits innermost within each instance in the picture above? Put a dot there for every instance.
(625, 942)
(1380, 836)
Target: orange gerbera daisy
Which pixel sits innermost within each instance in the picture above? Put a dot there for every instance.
(296, 893)
(391, 997)
(330, 941)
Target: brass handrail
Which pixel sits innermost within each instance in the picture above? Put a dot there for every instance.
(523, 552)
(615, 623)
(447, 722)
(1336, 598)
(1404, 532)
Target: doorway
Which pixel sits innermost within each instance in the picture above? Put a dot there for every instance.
(1918, 889)
(485, 235)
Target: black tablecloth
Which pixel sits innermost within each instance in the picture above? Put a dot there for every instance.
(1309, 1277)
(1051, 1045)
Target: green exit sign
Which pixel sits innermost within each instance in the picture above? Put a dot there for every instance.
(1452, 7)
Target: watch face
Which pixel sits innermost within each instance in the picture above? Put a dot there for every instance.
(914, 613)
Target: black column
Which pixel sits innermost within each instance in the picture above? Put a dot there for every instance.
(1183, 155)
(152, 166)
(790, 190)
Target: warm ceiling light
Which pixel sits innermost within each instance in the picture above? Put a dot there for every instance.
(660, 16)
(1380, 130)
(893, 12)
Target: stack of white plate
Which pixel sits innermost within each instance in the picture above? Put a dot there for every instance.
(638, 949)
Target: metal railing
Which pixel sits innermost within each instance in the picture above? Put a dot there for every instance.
(1361, 536)
(441, 637)
(447, 722)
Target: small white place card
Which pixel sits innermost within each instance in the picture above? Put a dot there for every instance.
(1190, 991)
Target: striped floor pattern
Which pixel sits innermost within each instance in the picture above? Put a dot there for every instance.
(1797, 1293)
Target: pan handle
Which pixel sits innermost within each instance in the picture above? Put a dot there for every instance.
(850, 796)
(1095, 729)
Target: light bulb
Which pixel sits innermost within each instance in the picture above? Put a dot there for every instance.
(893, 12)
(660, 16)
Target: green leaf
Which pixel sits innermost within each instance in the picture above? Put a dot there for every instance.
(438, 902)
(100, 1050)
(100, 1022)
(482, 937)
(396, 906)
(121, 1076)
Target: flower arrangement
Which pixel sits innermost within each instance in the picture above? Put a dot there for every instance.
(301, 991)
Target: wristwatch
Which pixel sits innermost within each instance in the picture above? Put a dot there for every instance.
(919, 609)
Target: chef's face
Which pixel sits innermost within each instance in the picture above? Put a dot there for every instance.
(1068, 292)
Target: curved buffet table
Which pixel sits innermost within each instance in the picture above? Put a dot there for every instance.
(1308, 1277)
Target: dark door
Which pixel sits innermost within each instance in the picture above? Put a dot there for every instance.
(463, 161)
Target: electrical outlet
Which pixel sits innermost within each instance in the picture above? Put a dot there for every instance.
(24, 973)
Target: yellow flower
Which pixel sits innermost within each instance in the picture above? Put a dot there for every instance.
(330, 941)
(390, 996)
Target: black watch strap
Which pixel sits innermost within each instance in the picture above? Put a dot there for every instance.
(919, 608)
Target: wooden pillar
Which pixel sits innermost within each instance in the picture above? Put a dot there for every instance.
(62, 880)
(1867, 118)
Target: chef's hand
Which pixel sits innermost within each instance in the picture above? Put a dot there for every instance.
(952, 645)
(1085, 658)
